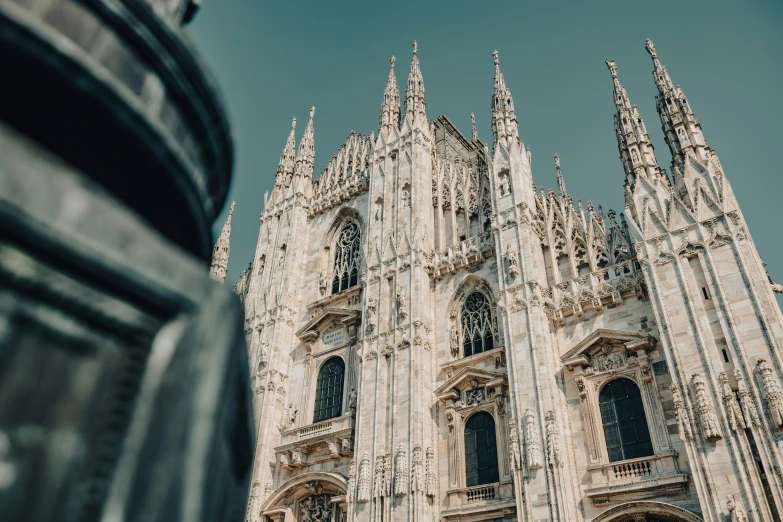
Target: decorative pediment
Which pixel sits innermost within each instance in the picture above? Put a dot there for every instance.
(604, 343)
(328, 319)
(469, 379)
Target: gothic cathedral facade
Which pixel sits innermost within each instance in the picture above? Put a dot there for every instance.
(434, 339)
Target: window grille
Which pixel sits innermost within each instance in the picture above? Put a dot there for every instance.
(481, 453)
(625, 425)
(329, 390)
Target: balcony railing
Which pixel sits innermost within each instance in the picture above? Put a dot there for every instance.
(337, 426)
(480, 493)
(657, 472)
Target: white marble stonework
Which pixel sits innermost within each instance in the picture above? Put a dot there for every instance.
(440, 299)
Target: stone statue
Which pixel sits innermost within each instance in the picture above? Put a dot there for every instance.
(322, 282)
(707, 417)
(352, 400)
(454, 341)
(736, 512)
(290, 415)
(772, 391)
(402, 302)
(513, 263)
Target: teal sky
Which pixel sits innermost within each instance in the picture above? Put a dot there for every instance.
(273, 60)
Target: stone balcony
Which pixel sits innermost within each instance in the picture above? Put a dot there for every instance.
(335, 436)
(464, 254)
(642, 477)
(487, 498)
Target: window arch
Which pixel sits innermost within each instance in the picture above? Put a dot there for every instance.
(478, 332)
(626, 431)
(329, 390)
(346, 258)
(481, 452)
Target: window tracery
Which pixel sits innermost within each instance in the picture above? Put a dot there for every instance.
(477, 323)
(346, 259)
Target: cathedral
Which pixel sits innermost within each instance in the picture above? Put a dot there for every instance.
(432, 337)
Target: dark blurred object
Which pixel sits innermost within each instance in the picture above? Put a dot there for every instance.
(123, 370)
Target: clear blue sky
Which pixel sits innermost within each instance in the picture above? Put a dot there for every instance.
(274, 60)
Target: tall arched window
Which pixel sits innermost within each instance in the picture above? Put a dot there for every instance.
(329, 390)
(481, 452)
(625, 425)
(346, 259)
(477, 324)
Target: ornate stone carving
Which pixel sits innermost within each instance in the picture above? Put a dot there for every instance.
(316, 508)
(323, 282)
(512, 264)
(708, 420)
(454, 340)
(749, 411)
(772, 391)
(736, 512)
(475, 395)
(372, 315)
(379, 488)
(364, 479)
(683, 421)
(532, 441)
(352, 401)
(291, 412)
(252, 501)
(350, 488)
(400, 471)
(429, 473)
(552, 440)
(513, 438)
(733, 410)
(417, 470)
(402, 302)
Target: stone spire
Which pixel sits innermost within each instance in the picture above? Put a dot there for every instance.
(305, 158)
(682, 131)
(390, 108)
(504, 119)
(415, 106)
(221, 251)
(561, 188)
(636, 149)
(474, 132)
(285, 169)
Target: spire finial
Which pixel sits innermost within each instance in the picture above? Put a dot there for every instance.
(612, 65)
(504, 118)
(560, 181)
(651, 48)
(221, 250)
(473, 126)
(305, 159)
(415, 105)
(390, 107)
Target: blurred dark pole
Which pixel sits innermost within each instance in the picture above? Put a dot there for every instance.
(123, 370)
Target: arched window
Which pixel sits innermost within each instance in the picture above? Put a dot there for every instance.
(329, 390)
(625, 425)
(477, 324)
(346, 259)
(481, 452)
